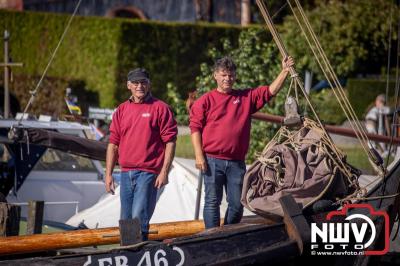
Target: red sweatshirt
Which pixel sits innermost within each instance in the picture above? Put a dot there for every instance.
(140, 130)
(224, 120)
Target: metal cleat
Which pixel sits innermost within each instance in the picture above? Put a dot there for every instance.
(292, 117)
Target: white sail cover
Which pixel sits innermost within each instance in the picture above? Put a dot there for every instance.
(176, 202)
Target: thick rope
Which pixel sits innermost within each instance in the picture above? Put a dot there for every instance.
(330, 146)
(395, 116)
(289, 136)
(323, 56)
(396, 96)
(338, 92)
(293, 73)
(325, 74)
(389, 53)
(331, 71)
(346, 106)
(290, 139)
(354, 120)
(279, 10)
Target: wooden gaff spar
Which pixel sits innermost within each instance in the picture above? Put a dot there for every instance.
(103, 236)
(91, 237)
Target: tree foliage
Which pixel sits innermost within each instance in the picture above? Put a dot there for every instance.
(101, 51)
(354, 35)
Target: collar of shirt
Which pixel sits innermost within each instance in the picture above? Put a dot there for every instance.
(147, 98)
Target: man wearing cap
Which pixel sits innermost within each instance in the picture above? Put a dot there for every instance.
(220, 122)
(142, 137)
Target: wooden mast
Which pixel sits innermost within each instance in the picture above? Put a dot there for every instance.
(7, 70)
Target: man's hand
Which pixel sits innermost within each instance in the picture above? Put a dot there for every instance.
(287, 63)
(162, 180)
(110, 185)
(201, 163)
(111, 158)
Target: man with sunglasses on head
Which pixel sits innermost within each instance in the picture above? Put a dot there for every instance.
(142, 138)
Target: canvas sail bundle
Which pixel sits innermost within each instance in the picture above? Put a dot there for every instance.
(300, 163)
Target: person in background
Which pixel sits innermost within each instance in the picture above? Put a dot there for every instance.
(376, 120)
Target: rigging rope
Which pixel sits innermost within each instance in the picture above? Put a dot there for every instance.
(395, 115)
(279, 10)
(327, 69)
(298, 81)
(340, 95)
(301, 143)
(396, 96)
(34, 92)
(389, 53)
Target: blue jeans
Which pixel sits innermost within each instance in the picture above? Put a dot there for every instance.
(220, 174)
(138, 197)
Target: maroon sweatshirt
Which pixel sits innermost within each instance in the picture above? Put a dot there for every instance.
(224, 120)
(140, 130)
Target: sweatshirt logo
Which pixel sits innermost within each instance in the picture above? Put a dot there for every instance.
(146, 115)
(236, 101)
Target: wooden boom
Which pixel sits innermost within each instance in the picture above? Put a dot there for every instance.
(104, 236)
(91, 237)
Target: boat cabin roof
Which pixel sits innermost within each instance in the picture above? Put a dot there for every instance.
(7, 123)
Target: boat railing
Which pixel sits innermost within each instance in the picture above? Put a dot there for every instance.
(53, 203)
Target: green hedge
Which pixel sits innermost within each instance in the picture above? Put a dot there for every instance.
(88, 52)
(53, 98)
(362, 93)
(100, 51)
(171, 52)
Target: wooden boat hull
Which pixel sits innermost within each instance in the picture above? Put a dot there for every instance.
(241, 244)
(104, 236)
(263, 243)
(255, 240)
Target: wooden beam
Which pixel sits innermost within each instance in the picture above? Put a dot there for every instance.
(236, 244)
(91, 237)
(35, 217)
(245, 13)
(9, 219)
(7, 70)
(130, 232)
(103, 236)
(296, 224)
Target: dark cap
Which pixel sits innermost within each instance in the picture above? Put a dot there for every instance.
(138, 74)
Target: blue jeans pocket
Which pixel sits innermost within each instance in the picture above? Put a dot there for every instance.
(236, 172)
(209, 175)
